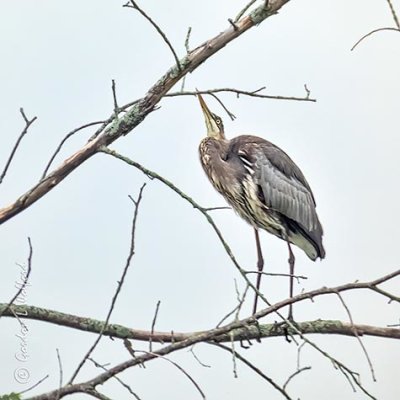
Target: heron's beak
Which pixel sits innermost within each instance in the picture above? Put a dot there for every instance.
(212, 128)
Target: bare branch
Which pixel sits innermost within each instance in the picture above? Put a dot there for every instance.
(34, 385)
(358, 336)
(207, 336)
(198, 359)
(245, 8)
(394, 15)
(126, 386)
(66, 137)
(299, 371)
(60, 369)
(24, 282)
(371, 33)
(157, 28)
(119, 286)
(153, 324)
(230, 115)
(187, 40)
(114, 92)
(28, 123)
(196, 385)
(187, 52)
(255, 369)
(248, 332)
(277, 274)
(396, 21)
(238, 307)
(255, 93)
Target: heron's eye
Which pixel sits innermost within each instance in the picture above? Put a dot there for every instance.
(218, 121)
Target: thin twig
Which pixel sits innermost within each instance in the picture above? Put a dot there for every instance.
(277, 274)
(245, 8)
(34, 385)
(196, 385)
(254, 368)
(293, 375)
(299, 348)
(119, 286)
(371, 33)
(67, 136)
(153, 324)
(24, 282)
(234, 26)
(371, 367)
(254, 93)
(189, 31)
(238, 307)
(157, 28)
(60, 369)
(230, 115)
(114, 92)
(28, 123)
(126, 386)
(308, 92)
(394, 15)
(198, 359)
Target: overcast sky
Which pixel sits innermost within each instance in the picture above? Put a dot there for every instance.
(58, 60)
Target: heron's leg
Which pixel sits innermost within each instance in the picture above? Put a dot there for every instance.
(291, 261)
(260, 267)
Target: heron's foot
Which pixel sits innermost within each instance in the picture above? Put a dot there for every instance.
(283, 328)
(247, 345)
(256, 324)
(245, 341)
(259, 333)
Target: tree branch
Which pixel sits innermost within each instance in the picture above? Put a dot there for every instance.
(255, 93)
(141, 109)
(22, 284)
(371, 33)
(255, 369)
(119, 285)
(28, 123)
(135, 6)
(244, 330)
(263, 331)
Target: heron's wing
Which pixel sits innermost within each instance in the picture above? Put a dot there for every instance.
(283, 186)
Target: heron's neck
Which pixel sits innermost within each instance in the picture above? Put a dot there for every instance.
(216, 149)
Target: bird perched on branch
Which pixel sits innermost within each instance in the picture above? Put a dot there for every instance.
(264, 186)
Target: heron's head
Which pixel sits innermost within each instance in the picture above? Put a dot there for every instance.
(215, 127)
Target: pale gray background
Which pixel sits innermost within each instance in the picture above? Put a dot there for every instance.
(57, 61)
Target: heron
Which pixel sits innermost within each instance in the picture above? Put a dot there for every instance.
(265, 187)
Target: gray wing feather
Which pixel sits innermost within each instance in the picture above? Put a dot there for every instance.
(285, 194)
(284, 186)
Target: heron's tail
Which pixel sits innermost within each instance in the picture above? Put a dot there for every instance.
(309, 242)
